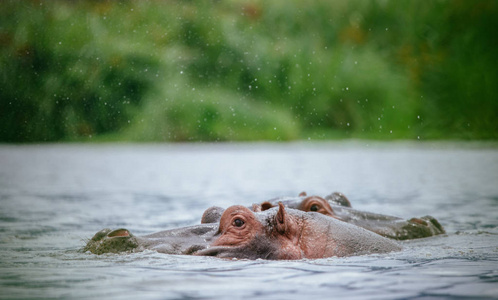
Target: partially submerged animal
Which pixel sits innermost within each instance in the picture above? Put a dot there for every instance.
(276, 233)
(337, 206)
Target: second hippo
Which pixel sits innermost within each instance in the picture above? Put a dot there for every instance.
(337, 206)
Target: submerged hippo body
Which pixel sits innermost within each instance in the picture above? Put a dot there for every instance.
(276, 233)
(337, 206)
(185, 240)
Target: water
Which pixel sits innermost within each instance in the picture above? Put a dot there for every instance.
(53, 197)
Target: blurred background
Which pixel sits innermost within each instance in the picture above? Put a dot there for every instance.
(248, 70)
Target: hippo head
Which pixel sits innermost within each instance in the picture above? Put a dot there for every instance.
(280, 233)
(312, 203)
(241, 234)
(269, 235)
(336, 198)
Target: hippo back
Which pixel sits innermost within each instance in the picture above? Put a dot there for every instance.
(341, 238)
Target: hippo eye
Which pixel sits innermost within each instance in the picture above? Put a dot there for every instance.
(238, 222)
(314, 207)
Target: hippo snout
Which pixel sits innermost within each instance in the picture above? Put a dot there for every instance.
(111, 241)
(420, 227)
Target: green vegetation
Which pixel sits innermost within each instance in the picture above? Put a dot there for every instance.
(248, 70)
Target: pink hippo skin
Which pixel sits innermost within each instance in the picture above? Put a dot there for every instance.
(280, 233)
(276, 233)
(337, 206)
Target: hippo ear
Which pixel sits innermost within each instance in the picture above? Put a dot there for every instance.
(303, 194)
(281, 219)
(212, 215)
(266, 205)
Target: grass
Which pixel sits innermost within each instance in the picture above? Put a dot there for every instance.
(255, 70)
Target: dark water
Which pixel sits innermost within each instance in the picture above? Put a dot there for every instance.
(53, 197)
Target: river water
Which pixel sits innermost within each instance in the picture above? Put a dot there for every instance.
(54, 197)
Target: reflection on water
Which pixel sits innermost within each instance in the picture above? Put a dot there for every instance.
(54, 197)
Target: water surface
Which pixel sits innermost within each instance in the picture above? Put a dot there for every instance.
(54, 197)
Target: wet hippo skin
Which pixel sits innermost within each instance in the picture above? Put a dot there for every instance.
(337, 206)
(276, 233)
(388, 226)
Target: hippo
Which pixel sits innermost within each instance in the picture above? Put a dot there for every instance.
(277, 233)
(337, 206)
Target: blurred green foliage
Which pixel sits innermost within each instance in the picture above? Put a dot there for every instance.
(248, 70)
